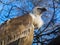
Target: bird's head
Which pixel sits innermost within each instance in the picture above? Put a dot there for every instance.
(39, 10)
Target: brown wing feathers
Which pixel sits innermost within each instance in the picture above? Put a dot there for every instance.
(16, 27)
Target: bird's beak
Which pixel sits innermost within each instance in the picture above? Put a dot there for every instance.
(42, 9)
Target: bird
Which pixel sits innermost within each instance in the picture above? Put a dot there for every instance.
(22, 27)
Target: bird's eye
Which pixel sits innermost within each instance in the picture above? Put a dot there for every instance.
(38, 8)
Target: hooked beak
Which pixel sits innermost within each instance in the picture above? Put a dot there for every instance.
(42, 9)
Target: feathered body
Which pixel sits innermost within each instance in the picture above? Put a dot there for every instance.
(21, 28)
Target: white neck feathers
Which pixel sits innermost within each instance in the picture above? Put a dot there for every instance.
(37, 20)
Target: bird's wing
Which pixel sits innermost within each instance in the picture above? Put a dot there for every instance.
(14, 30)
